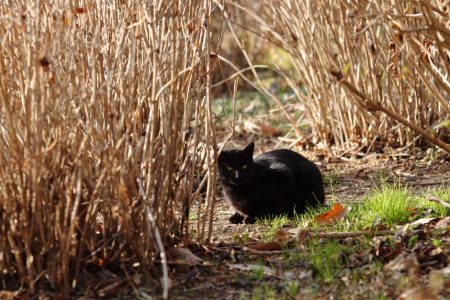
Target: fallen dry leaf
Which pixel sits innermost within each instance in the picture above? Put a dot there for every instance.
(435, 251)
(270, 246)
(413, 294)
(270, 131)
(281, 236)
(401, 232)
(302, 236)
(436, 282)
(421, 221)
(443, 223)
(279, 239)
(184, 256)
(446, 271)
(262, 129)
(405, 262)
(338, 212)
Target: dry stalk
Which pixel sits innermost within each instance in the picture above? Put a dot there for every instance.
(104, 123)
(396, 52)
(373, 106)
(259, 86)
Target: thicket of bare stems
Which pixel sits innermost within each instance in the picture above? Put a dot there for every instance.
(105, 131)
(365, 66)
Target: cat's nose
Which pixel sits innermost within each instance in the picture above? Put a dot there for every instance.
(237, 175)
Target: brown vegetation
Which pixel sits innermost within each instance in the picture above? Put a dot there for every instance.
(392, 56)
(104, 122)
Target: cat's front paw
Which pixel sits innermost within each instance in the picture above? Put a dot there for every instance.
(236, 219)
(250, 220)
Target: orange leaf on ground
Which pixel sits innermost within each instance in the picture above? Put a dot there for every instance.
(337, 213)
(270, 131)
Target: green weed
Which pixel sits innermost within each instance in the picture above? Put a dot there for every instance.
(192, 216)
(390, 204)
(248, 103)
(264, 292)
(241, 238)
(326, 259)
(292, 258)
(257, 274)
(412, 241)
(274, 223)
(331, 179)
(293, 289)
(437, 243)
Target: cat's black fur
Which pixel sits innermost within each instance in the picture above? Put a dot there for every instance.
(276, 182)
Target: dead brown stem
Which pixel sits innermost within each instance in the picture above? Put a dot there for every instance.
(373, 106)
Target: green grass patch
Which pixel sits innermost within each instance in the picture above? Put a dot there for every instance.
(436, 209)
(274, 291)
(273, 223)
(292, 289)
(257, 274)
(393, 204)
(388, 205)
(326, 259)
(241, 238)
(265, 291)
(292, 258)
(340, 263)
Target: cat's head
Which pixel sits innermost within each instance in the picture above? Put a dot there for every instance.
(236, 166)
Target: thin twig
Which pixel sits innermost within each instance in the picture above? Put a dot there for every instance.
(353, 234)
(153, 227)
(437, 200)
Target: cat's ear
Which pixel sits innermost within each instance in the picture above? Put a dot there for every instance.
(248, 151)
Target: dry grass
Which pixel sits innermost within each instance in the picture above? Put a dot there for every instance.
(105, 131)
(366, 66)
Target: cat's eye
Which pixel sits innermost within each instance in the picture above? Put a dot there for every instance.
(229, 168)
(244, 167)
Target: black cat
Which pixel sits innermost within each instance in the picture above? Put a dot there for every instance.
(276, 182)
